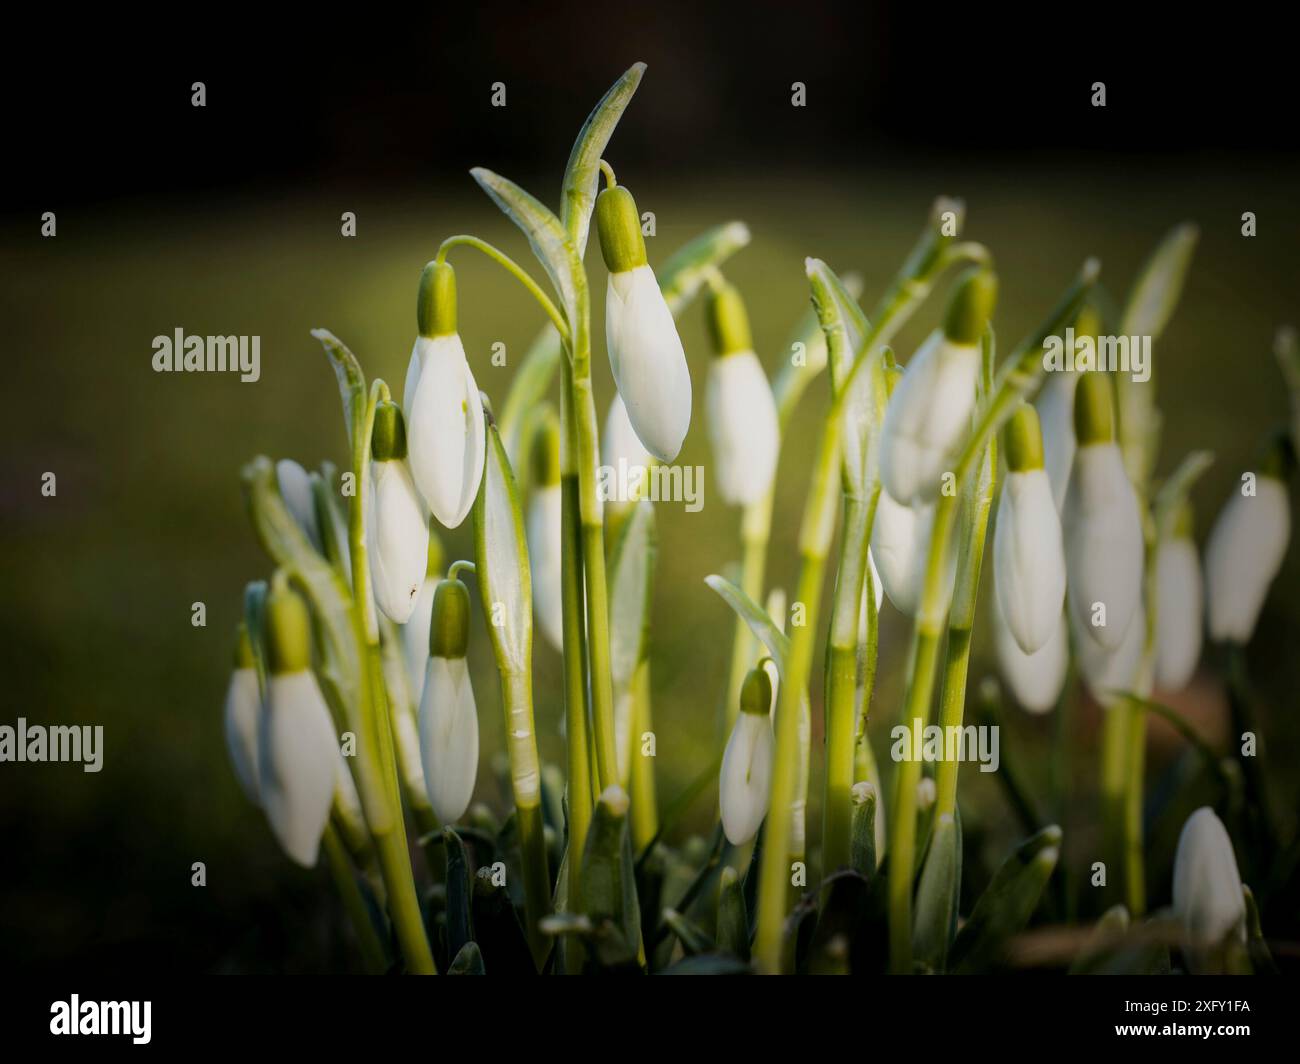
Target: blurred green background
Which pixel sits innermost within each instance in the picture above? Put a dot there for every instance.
(98, 581)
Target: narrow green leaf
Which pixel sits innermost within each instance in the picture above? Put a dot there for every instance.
(352, 382)
(468, 961)
(936, 895)
(763, 627)
(732, 920)
(582, 174)
(1174, 491)
(692, 938)
(684, 272)
(460, 923)
(1159, 284)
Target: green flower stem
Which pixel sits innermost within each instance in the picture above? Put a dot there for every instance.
(372, 950)
(755, 529)
(1114, 779)
(521, 746)
(521, 275)
(644, 816)
(842, 683)
(386, 824)
(1013, 382)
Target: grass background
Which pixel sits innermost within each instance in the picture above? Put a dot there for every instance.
(98, 581)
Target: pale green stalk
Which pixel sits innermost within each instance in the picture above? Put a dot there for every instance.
(644, 821)
(1014, 381)
(336, 857)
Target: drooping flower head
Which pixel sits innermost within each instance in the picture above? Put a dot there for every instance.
(1055, 406)
(743, 429)
(645, 352)
(396, 530)
(444, 411)
(1178, 604)
(545, 505)
(746, 777)
(1208, 897)
(243, 716)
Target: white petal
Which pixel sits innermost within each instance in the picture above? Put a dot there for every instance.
(743, 429)
(415, 638)
(1207, 886)
(875, 579)
(1035, 679)
(445, 431)
(928, 418)
(1243, 556)
(746, 777)
(544, 555)
(900, 545)
(413, 369)
(298, 758)
(398, 539)
(1103, 544)
(448, 737)
(1055, 406)
(649, 364)
(1178, 613)
(295, 488)
(1108, 672)
(1029, 559)
(243, 717)
(619, 440)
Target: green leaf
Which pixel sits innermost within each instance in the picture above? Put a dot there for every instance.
(936, 895)
(1174, 491)
(1286, 348)
(792, 380)
(708, 964)
(692, 938)
(545, 234)
(352, 382)
(733, 919)
(468, 961)
(501, 548)
(1159, 284)
(582, 174)
(763, 627)
(608, 889)
(528, 388)
(684, 272)
(498, 931)
(631, 579)
(460, 924)
(1104, 938)
(1008, 902)
(1261, 959)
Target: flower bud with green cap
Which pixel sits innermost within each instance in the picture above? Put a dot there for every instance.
(744, 431)
(645, 351)
(1055, 406)
(745, 780)
(243, 715)
(396, 528)
(448, 716)
(1028, 552)
(929, 414)
(1104, 545)
(545, 505)
(1248, 544)
(444, 410)
(1179, 603)
(298, 750)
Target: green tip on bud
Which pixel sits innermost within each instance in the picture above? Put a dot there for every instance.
(1088, 322)
(1279, 459)
(1023, 440)
(288, 632)
(1094, 412)
(546, 453)
(244, 656)
(971, 305)
(728, 321)
(436, 311)
(449, 628)
(756, 693)
(619, 226)
(388, 440)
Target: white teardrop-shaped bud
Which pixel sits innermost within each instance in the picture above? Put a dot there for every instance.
(1028, 554)
(1208, 898)
(1055, 406)
(1178, 612)
(744, 784)
(295, 488)
(243, 717)
(415, 637)
(645, 352)
(397, 532)
(1035, 679)
(1104, 548)
(929, 413)
(1108, 673)
(543, 532)
(448, 715)
(1243, 556)
(900, 546)
(444, 411)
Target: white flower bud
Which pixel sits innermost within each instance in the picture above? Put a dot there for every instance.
(1243, 556)
(415, 638)
(1207, 886)
(449, 737)
(1178, 612)
(544, 555)
(243, 721)
(1107, 673)
(1035, 679)
(1055, 406)
(745, 781)
(900, 546)
(398, 538)
(1029, 559)
(295, 488)
(743, 429)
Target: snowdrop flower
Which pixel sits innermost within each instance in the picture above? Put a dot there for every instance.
(1207, 886)
(1028, 557)
(298, 751)
(621, 449)
(1178, 605)
(1055, 406)
(415, 632)
(543, 534)
(1103, 529)
(929, 412)
(295, 488)
(396, 529)
(745, 781)
(1035, 679)
(743, 429)
(243, 716)
(900, 546)
(444, 411)
(645, 352)
(1246, 548)
(1107, 673)
(448, 714)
